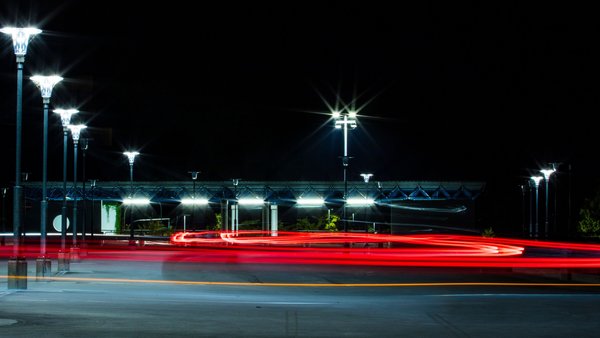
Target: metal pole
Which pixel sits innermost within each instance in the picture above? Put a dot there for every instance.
(84, 148)
(530, 211)
(93, 184)
(131, 180)
(75, 142)
(63, 228)
(546, 221)
(537, 211)
(522, 186)
(2, 240)
(44, 202)
(345, 164)
(17, 197)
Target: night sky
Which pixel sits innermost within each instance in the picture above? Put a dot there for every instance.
(446, 91)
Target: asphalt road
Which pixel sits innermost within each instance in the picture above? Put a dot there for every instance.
(181, 299)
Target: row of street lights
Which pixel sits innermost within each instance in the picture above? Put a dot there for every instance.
(546, 174)
(17, 267)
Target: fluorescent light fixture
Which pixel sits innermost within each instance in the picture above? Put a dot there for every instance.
(136, 201)
(310, 201)
(194, 201)
(250, 201)
(360, 201)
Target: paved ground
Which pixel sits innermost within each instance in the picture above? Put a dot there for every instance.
(160, 299)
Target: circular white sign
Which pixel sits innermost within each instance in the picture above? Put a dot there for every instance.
(57, 223)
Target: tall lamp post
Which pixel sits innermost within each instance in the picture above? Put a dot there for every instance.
(65, 119)
(344, 120)
(131, 158)
(194, 178)
(45, 84)
(93, 187)
(17, 266)
(366, 177)
(75, 133)
(547, 173)
(84, 148)
(536, 184)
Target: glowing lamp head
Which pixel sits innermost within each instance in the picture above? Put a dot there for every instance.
(352, 114)
(76, 131)
(131, 156)
(21, 38)
(65, 115)
(336, 114)
(46, 83)
(366, 177)
(536, 180)
(547, 173)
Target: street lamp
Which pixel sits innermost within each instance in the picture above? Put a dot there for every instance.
(93, 187)
(17, 266)
(75, 133)
(547, 173)
(536, 183)
(366, 177)
(131, 158)
(343, 120)
(45, 84)
(194, 178)
(65, 119)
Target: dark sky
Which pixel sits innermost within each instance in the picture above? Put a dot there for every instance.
(447, 91)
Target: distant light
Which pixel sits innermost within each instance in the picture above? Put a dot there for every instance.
(366, 177)
(21, 37)
(336, 114)
(76, 130)
(310, 201)
(250, 201)
(352, 114)
(547, 172)
(360, 201)
(536, 180)
(136, 201)
(65, 115)
(131, 155)
(46, 83)
(194, 201)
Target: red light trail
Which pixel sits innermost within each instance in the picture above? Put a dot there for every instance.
(321, 248)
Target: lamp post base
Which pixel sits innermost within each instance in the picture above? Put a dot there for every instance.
(63, 261)
(17, 273)
(43, 267)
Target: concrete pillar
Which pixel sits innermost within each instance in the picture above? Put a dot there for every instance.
(43, 267)
(64, 261)
(17, 273)
(274, 217)
(234, 217)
